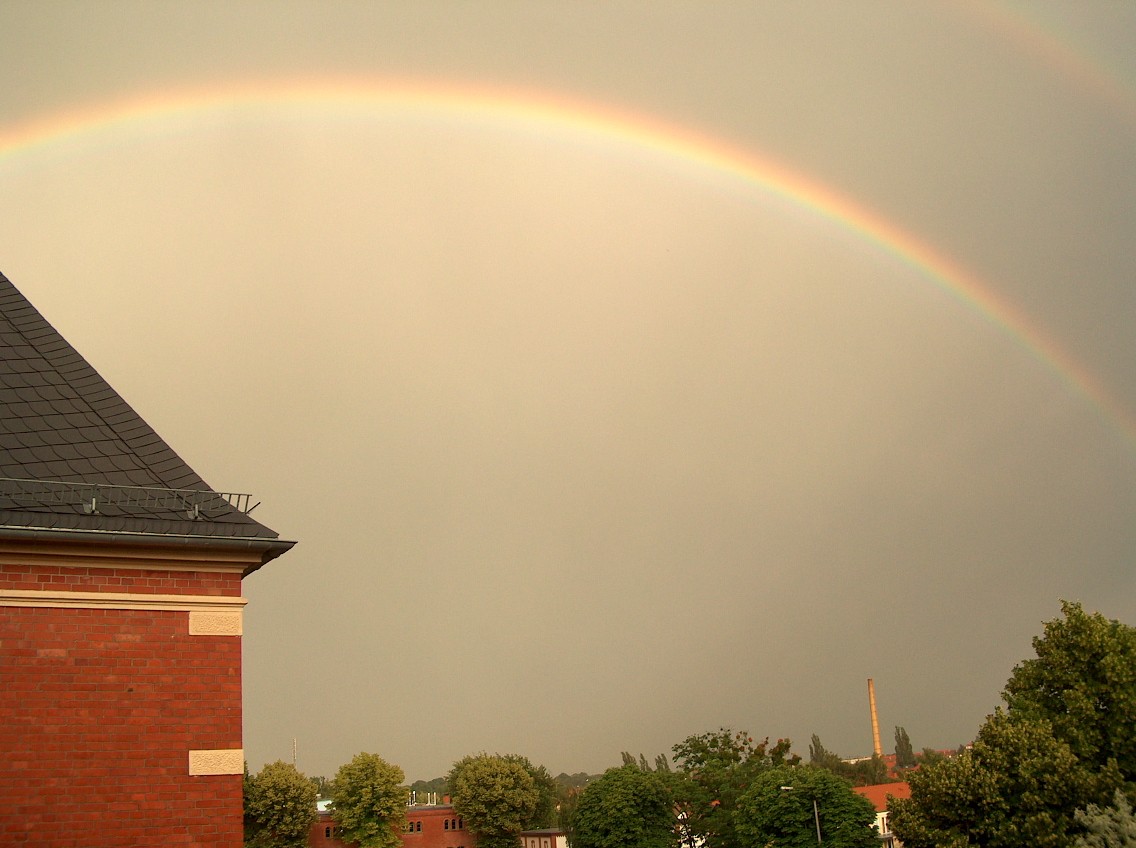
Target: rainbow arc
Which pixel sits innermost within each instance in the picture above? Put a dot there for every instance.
(557, 114)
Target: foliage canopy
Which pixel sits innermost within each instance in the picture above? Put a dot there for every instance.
(1083, 682)
(496, 796)
(368, 802)
(1108, 827)
(1066, 741)
(785, 805)
(628, 807)
(547, 793)
(904, 752)
(280, 807)
(715, 769)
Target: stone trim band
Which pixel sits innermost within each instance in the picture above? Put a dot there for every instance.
(119, 600)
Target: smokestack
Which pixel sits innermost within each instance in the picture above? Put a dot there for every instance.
(879, 752)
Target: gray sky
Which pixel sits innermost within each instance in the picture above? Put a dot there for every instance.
(588, 446)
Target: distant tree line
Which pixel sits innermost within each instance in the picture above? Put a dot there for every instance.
(1055, 769)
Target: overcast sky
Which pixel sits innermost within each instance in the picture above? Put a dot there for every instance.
(590, 446)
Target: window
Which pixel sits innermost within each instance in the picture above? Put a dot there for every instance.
(418, 826)
(446, 824)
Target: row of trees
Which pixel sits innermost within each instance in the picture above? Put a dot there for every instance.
(367, 795)
(727, 790)
(497, 797)
(870, 771)
(1056, 769)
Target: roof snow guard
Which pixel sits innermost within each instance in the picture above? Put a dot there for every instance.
(76, 459)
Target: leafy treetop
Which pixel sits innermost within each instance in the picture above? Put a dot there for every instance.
(1083, 682)
(280, 807)
(495, 796)
(628, 807)
(786, 805)
(368, 802)
(1067, 741)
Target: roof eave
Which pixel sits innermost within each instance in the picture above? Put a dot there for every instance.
(268, 549)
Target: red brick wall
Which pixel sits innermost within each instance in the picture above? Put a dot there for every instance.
(58, 578)
(322, 834)
(99, 709)
(426, 827)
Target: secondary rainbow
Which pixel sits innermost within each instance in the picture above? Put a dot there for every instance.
(564, 115)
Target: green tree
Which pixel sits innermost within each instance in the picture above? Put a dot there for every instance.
(821, 756)
(569, 800)
(714, 770)
(1083, 682)
(322, 785)
(628, 807)
(423, 788)
(785, 805)
(904, 753)
(929, 755)
(1066, 742)
(1108, 827)
(1018, 785)
(662, 764)
(547, 790)
(280, 807)
(567, 781)
(496, 796)
(866, 772)
(368, 802)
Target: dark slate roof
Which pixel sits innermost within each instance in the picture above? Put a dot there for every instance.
(75, 457)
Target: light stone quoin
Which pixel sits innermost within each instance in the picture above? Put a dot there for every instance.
(215, 623)
(222, 761)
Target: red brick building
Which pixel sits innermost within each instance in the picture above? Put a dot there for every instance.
(120, 614)
(427, 826)
(432, 826)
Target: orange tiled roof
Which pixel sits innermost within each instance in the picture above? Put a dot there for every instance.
(878, 794)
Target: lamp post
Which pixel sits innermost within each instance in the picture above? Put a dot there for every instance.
(816, 812)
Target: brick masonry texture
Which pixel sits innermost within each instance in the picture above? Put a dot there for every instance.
(136, 581)
(98, 710)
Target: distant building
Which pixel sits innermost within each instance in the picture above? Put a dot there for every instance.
(120, 614)
(426, 826)
(322, 834)
(551, 838)
(430, 826)
(879, 795)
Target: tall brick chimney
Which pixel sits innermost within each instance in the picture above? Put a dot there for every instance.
(876, 749)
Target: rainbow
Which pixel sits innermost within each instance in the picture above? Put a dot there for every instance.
(1024, 28)
(560, 114)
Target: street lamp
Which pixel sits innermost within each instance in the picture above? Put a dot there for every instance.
(816, 812)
